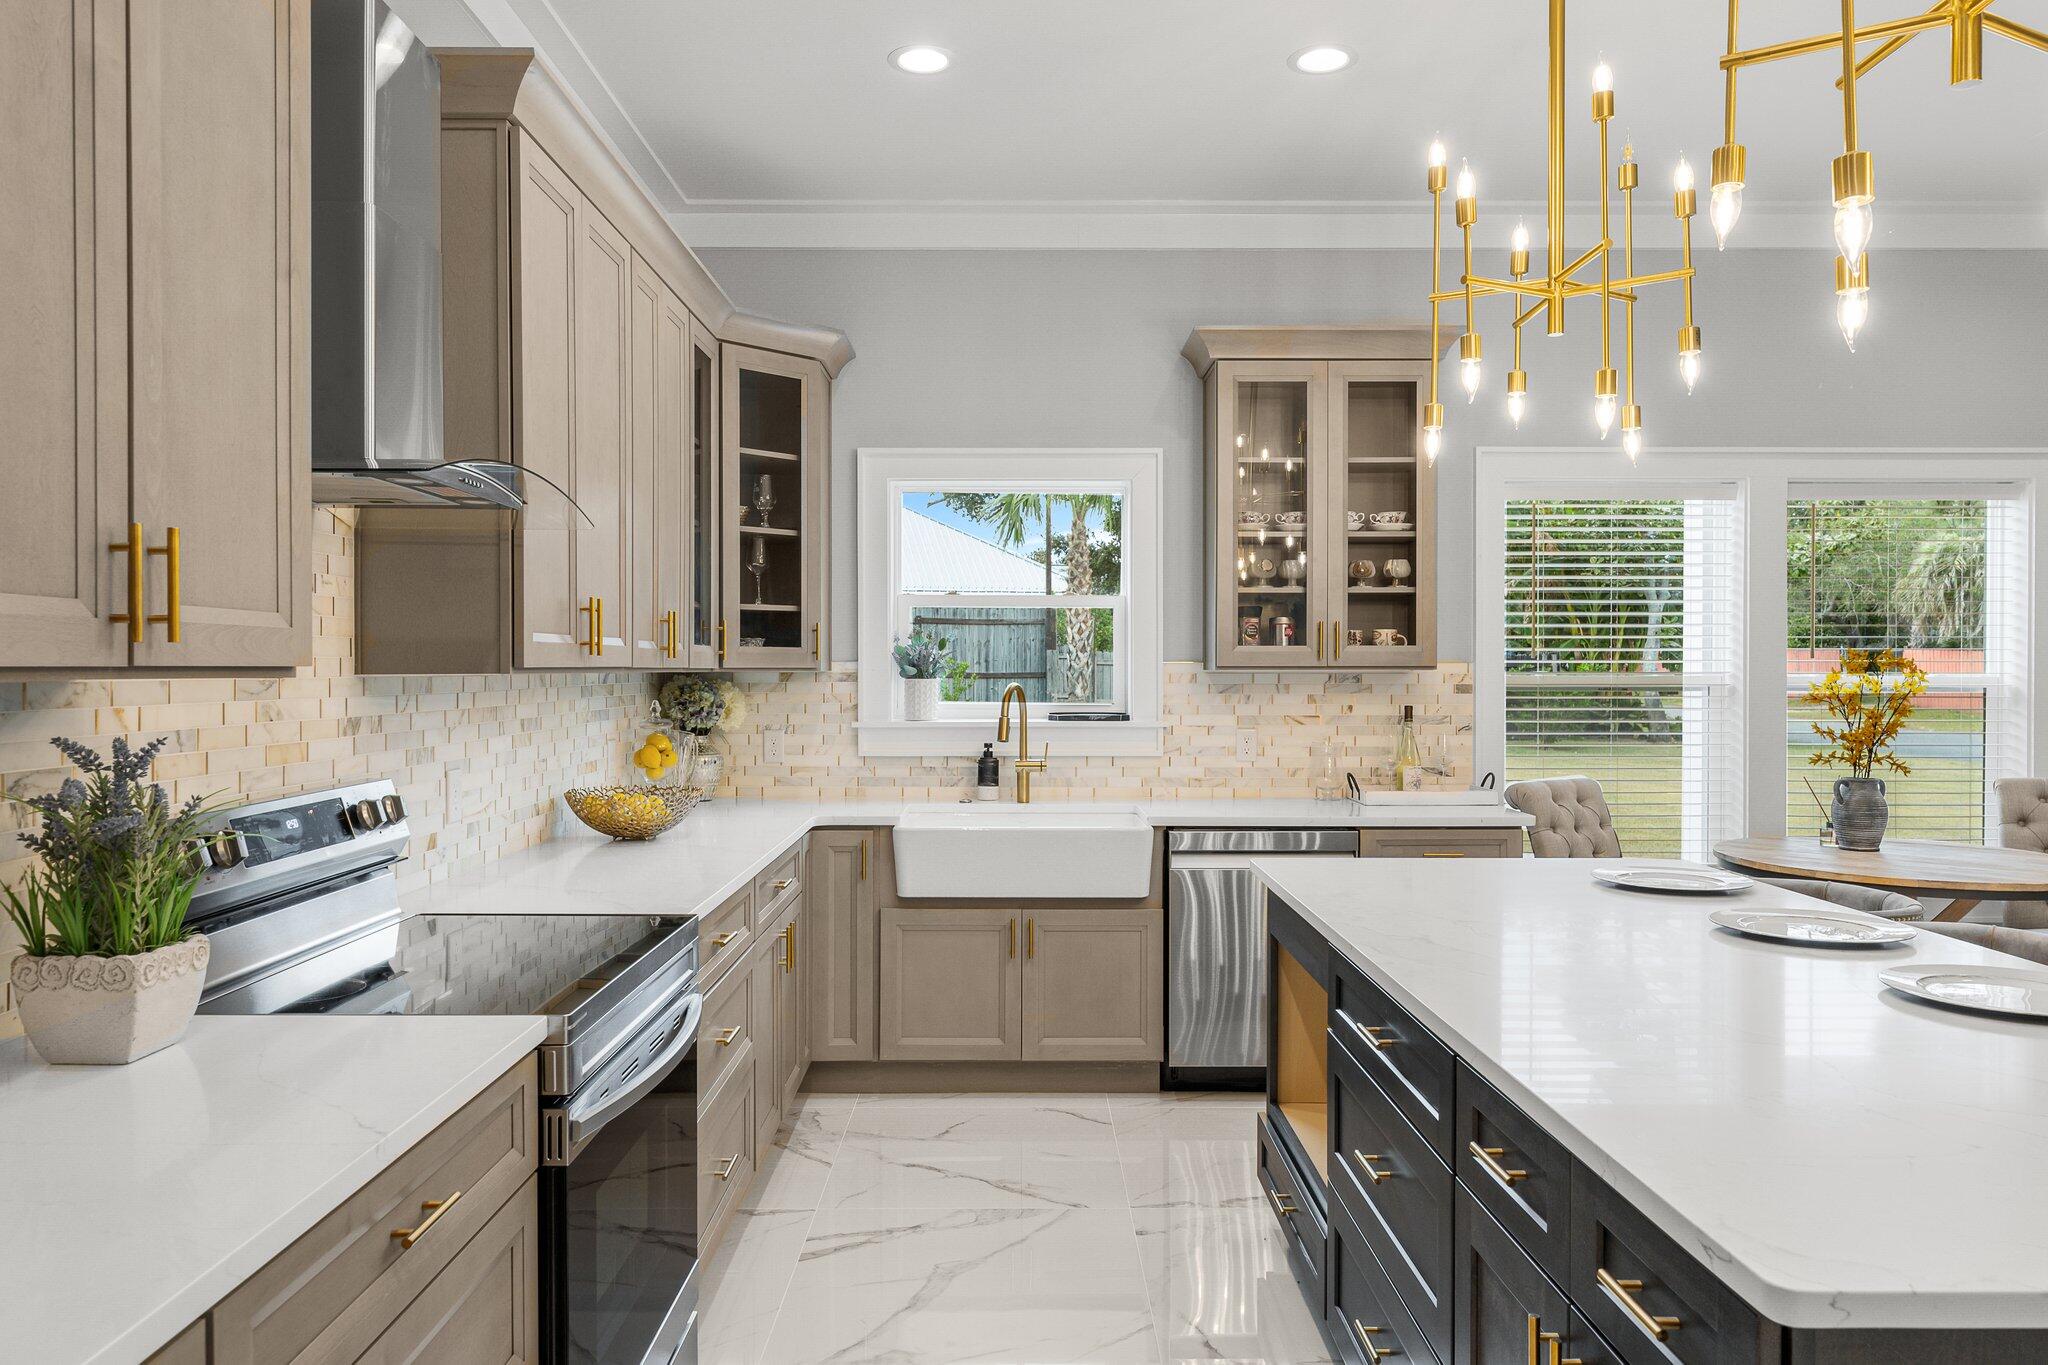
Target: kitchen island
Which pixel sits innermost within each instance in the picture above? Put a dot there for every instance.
(1552, 1107)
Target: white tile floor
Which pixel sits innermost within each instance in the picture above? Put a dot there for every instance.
(1009, 1229)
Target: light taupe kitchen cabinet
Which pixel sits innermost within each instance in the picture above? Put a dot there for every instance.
(1321, 505)
(661, 392)
(950, 981)
(704, 524)
(842, 875)
(1094, 983)
(777, 449)
(782, 1036)
(155, 379)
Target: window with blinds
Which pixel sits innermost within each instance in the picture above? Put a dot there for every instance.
(1942, 579)
(1621, 640)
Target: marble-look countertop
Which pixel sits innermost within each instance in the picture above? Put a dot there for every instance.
(722, 845)
(1839, 1155)
(134, 1198)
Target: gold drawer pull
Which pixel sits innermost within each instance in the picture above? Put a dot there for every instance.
(725, 1036)
(1365, 1335)
(725, 938)
(433, 1208)
(1624, 1293)
(1013, 938)
(1442, 853)
(724, 1171)
(132, 547)
(1364, 1160)
(172, 618)
(1281, 1204)
(789, 947)
(1372, 1034)
(1489, 1161)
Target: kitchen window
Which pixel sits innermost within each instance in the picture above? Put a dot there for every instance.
(1038, 568)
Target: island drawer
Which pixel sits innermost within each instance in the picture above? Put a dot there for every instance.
(723, 1035)
(1518, 1173)
(1651, 1300)
(1398, 1195)
(331, 1294)
(1367, 1322)
(722, 936)
(1440, 843)
(780, 878)
(1403, 1058)
(1299, 1217)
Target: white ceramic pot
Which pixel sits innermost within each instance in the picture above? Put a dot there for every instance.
(920, 699)
(106, 1011)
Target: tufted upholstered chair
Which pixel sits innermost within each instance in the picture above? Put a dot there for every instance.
(1872, 900)
(1572, 820)
(2023, 823)
(2031, 944)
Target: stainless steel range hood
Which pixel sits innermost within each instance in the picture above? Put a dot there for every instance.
(376, 285)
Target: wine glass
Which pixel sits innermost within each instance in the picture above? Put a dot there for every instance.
(757, 566)
(764, 496)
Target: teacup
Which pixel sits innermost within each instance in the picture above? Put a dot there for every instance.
(1252, 519)
(1388, 521)
(1354, 521)
(1387, 635)
(1291, 519)
(1354, 637)
(1362, 571)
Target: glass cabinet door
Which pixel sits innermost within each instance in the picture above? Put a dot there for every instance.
(700, 638)
(1383, 517)
(774, 466)
(1269, 490)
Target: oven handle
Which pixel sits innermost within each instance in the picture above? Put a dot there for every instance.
(585, 1122)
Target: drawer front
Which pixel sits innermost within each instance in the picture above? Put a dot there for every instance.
(1646, 1296)
(1366, 1319)
(1404, 1059)
(1508, 1310)
(333, 1292)
(774, 884)
(724, 1034)
(725, 1154)
(723, 936)
(1398, 1195)
(1299, 1219)
(1440, 843)
(1517, 1172)
(485, 1307)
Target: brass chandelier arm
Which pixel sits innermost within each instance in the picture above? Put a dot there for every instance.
(1824, 42)
(1891, 45)
(2019, 33)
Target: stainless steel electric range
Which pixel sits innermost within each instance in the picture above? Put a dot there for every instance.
(300, 901)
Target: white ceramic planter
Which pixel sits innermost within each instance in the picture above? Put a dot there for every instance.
(920, 699)
(105, 1011)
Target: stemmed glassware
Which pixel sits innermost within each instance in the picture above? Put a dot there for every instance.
(757, 566)
(764, 497)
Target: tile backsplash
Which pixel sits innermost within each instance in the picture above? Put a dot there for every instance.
(500, 747)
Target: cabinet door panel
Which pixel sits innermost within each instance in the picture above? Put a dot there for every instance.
(949, 985)
(705, 522)
(1375, 467)
(669, 559)
(603, 429)
(773, 430)
(1504, 1303)
(62, 375)
(840, 874)
(545, 207)
(1093, 982)
(219, 251)
(646, 630)
(1269, 534)
(484, 1309)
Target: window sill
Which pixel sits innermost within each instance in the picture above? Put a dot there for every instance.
(964, 738)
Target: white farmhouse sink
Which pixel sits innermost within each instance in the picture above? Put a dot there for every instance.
(1012, 852)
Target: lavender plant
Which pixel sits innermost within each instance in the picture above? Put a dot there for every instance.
(116, 874)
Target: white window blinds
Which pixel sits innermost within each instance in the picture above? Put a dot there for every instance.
(1621, 658)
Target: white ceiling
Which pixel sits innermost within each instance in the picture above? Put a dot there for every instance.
(780, 121)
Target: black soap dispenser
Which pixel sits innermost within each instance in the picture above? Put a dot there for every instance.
(988, 775)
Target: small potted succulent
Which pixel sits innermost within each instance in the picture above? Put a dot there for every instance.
(700, 704)
(108, 972)
(1870, 696)
(921, 662)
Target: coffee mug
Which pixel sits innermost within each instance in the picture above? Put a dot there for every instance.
(1354, 637)
(1387, 521)
(1362, 570)
(1396, 569)
(1248, 630)
(1387, 635)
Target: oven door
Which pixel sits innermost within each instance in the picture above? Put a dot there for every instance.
(619, 1206)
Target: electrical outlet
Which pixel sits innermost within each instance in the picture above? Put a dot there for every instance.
(1247, 746)
(771, 744)
(455, 793)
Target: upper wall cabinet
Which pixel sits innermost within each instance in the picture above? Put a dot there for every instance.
(1321, 509)
(584, 343)
(158, 502)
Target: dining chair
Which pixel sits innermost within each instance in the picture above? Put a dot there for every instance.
(1571, 815)
(2031, 944)
(2023, 823)
(1872, 900)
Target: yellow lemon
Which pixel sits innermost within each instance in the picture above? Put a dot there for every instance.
(647, 756)
(662, 742)
(656, 774)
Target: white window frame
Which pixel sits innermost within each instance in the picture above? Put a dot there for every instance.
(1768, 479)
(884, 474)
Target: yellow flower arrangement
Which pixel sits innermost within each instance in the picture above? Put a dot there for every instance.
(1870, 695)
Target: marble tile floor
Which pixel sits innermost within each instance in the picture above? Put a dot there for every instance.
(1011, 1230)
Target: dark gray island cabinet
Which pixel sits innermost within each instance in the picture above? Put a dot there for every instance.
(1431, 1221)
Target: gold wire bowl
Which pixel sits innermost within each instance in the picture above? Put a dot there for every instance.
(632, 812)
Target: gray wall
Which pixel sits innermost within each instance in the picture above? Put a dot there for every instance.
(1081, 348)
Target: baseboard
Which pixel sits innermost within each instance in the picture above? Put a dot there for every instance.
(909, 1078)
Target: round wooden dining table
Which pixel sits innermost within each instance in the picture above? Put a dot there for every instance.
(1965, 873)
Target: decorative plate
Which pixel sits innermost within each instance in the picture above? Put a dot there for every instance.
(2016, 992)
(1683, 881)
(1815, 928)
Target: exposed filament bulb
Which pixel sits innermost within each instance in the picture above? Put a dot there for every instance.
(1725, 211)
(1852, 230)
(1603, 413)
(1468, 186)
(1437, 155)
(1681, 176)
(1689, 368)
(1518, 406)
(1603, 79)
(1519, 241)
(1468, 377)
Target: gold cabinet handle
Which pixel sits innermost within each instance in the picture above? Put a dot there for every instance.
(172, 618)
(1372, 1034)
(1013, 938)
(1364, 1160)
(675, 635)
(1281, 1204)
(1554, 1341)
(1031, 937)
(1319, 640)
(784, 883)
(1624, 1293)
(1441, 853)
(814, 640)
(133, 549)
(433, 1208)
(725, 938)
(724, 1171)
(863, 858)
(597, 629)
(1365, 1335)
(788, 937)
(721, 641)
(589, 613)
(1489, 1161)
(725, 1036)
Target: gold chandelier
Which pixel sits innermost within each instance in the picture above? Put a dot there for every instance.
(1614, 393)
(1854, 183)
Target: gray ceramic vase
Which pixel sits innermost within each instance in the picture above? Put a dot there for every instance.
(1859, 813)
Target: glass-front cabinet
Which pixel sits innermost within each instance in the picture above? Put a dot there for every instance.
(1322, 510)
(777, 443)
(700, 636)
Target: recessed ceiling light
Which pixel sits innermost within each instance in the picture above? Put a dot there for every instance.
(1321, 60)
(921, 59)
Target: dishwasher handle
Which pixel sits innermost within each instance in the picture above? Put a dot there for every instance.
(1235, 862)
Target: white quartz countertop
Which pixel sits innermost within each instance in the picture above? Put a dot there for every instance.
(722, 845)
(135, 1197)
(1839, 1155)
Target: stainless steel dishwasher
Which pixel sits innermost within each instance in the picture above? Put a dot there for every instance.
(1216, 948)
